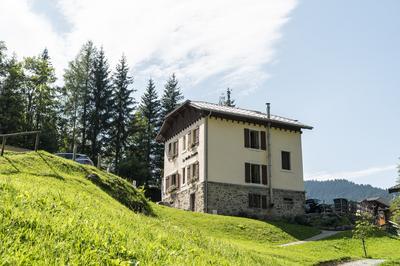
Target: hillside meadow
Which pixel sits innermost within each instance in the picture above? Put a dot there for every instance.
(55, 211)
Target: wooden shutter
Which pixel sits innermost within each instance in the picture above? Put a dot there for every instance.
(263, 140)
(189, 173)
(246, 138)
(178, 183)
(264, 176)
(190, 139)
(197, 170)
(247, 172)
(166, 182)
(177, 148)
(197, 132)
(263, 201)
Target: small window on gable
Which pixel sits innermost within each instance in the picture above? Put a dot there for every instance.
(286, 160)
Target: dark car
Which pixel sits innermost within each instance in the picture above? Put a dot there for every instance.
(313, 206)
(80, 158)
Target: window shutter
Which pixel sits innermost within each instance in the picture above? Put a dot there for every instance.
(166, 182)
(197, 135)
(263, 140)
(264, 174)
(197, 169)
(263, 201)
(178, 181)
(189, 173)
(189, 139)
(246, 138)
(177, 148)
(247, 172)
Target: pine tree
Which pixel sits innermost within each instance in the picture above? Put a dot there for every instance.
(100, 106)
(76, 92)
(123, 106)
(172, 96)
(229, 102)
(150, 110)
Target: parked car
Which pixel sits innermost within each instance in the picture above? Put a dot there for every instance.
(312, 206)
(80, 158)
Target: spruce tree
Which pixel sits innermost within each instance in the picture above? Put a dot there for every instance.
(123, 106)
(172, 96)
(150, 110)
(229, 101)
(100, 106)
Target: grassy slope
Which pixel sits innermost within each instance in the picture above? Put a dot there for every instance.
(51, 213)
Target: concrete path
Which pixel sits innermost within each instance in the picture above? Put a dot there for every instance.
(369, 262)
(322, 235)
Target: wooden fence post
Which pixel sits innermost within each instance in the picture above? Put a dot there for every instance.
(37, 141)
(3, 144)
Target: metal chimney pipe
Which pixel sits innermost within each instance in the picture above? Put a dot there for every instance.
(269, 166)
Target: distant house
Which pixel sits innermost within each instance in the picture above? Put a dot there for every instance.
(218, 160)
(377, 207)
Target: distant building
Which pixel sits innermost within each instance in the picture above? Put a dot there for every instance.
(216, 161)
(377, 207)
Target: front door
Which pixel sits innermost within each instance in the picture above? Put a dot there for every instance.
(192, 202)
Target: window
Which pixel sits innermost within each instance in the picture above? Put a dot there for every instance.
(255, 173)
(196, 136)
(195, 170)
(172, 182)
(184, 143)
(285, 160)
(173, 149)
(254, 139)
(192, 172)
(257, 201)
(193, 138)
(288, 201)
(183, 175)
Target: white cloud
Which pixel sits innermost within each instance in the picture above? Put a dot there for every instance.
(195, 39)
(350, 175)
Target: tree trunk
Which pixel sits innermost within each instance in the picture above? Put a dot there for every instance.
(365, 249)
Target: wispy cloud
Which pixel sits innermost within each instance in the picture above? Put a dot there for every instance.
(350, 175)
(198, 40)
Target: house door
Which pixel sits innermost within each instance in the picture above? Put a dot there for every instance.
(192, 202)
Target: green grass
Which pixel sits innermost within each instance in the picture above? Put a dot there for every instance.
(54, 211)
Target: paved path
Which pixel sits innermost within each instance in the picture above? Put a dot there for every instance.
(322, 235)
(369, 262)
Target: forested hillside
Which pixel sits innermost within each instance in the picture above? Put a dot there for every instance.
(341, 188)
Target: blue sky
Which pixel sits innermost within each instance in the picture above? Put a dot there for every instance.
(331, 64)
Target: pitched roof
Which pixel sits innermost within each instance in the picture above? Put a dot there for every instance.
(378, 199)
(246, 113)
(203, 109)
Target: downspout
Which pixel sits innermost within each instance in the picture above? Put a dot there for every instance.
(269, 166)
(206, 162)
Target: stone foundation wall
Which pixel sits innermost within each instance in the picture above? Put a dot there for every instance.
(181, 198)
(231, 199)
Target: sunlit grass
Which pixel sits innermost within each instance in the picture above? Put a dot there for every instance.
(51, 213)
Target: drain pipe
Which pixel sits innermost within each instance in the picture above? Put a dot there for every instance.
(206, 162)
(269, 166)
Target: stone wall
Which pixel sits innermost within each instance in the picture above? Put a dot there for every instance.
(231, 199)
(181, 198)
